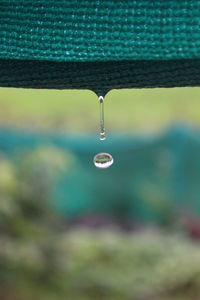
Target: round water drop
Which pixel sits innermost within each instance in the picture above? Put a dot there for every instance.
(103, 160)
(102, 136)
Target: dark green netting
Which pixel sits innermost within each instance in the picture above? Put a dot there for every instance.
(99, 76)
(99, 45)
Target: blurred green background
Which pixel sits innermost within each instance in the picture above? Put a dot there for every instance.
(126, 110)
(71, 231)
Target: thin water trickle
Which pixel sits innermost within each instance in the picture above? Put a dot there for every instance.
(102, 160)
(102, 128)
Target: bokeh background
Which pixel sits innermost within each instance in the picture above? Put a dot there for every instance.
(71, 231)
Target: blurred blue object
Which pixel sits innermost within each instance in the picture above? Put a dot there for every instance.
(153, 178)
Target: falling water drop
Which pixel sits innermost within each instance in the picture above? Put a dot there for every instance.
(103, 160)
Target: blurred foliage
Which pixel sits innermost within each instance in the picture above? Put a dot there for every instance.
(39, 259)
(111, 265)
(28, 226)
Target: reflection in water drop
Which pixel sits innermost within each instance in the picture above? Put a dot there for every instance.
(103, 160)
(102, 128)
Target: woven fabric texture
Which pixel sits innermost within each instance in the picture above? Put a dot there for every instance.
(99, 76)
(114, 33)
(99, 30)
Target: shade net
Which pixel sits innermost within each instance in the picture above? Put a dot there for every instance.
(99, 45)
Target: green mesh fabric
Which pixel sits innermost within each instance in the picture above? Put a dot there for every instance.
(79, 40)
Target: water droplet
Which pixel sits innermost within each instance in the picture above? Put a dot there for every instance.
(103, 160)
(102, 128)
(102, 136)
